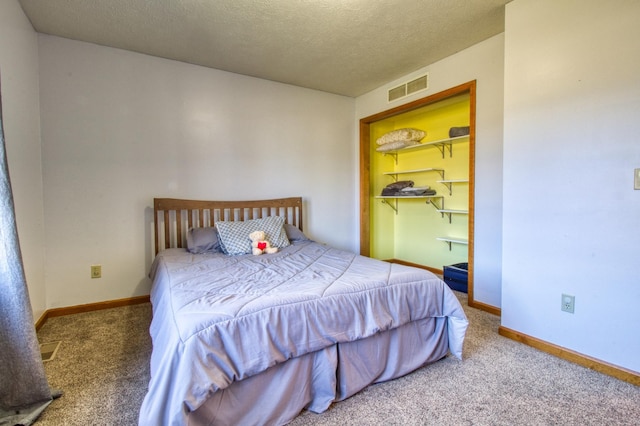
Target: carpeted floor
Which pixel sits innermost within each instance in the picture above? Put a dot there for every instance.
(102, 366)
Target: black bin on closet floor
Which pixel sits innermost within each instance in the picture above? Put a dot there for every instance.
(457, 276)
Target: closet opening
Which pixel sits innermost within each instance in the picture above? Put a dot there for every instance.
(417, 193)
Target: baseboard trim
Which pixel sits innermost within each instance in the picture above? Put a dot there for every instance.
(77, 309)
(484, 307)
(621, 373)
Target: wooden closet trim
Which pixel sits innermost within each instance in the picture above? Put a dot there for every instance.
(365, 163)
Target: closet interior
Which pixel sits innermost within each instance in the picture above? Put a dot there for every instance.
(416, 189)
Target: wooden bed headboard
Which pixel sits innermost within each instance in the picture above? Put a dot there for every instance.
(173, 217)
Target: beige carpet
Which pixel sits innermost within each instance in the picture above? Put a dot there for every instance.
(102, 368)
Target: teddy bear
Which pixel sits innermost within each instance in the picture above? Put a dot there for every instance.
(259, 244)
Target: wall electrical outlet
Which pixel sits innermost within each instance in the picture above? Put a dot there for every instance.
(568, 303)
(96, 271)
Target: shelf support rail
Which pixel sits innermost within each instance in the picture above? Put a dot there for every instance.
(448, 145)
(394, 207)
(449, 185)
(434, 204)
(450, 241)
(430, 200)
(394, 155)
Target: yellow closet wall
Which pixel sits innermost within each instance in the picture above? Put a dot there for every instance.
(410, 234)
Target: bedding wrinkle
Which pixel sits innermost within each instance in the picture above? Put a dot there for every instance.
(343, 271)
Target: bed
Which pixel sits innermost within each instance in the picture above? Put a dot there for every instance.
(242, 339)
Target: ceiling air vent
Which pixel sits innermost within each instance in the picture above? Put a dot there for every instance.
(408, 88)
(397, 92)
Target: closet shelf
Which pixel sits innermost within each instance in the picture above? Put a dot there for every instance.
(442, 145)
(404, 172)
(435, 200)
(453, 240)
(402, 197)
(449, 183)
(450, 212)
(413, 171)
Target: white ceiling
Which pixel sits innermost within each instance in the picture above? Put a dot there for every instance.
(347, 47)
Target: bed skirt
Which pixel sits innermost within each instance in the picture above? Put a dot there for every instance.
(332, 374)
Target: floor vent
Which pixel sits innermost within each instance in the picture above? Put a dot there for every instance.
(409, 88)
(49, 350)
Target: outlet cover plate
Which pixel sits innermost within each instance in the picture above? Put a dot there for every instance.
(636, 179)
(96, 271)
(568, 303)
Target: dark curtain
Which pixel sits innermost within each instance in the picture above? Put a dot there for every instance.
(24, 391)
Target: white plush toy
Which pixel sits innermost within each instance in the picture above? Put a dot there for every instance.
(259, 244)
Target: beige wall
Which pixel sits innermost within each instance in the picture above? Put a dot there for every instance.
(571, 216)
(120, 128)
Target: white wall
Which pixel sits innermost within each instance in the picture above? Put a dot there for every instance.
(21, 122)
(484, 63)
(120, 128)
(571, 215)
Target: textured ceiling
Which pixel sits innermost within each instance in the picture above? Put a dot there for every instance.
(347, 47)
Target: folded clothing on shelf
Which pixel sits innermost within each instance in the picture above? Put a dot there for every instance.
(454, 132)
(395, 187)
(415, 191)
(405, 188)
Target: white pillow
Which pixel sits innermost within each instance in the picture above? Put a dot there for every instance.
(407, 134)
(396, 145)
(234, 236)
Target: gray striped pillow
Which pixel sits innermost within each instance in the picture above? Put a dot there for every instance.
(234, 236)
